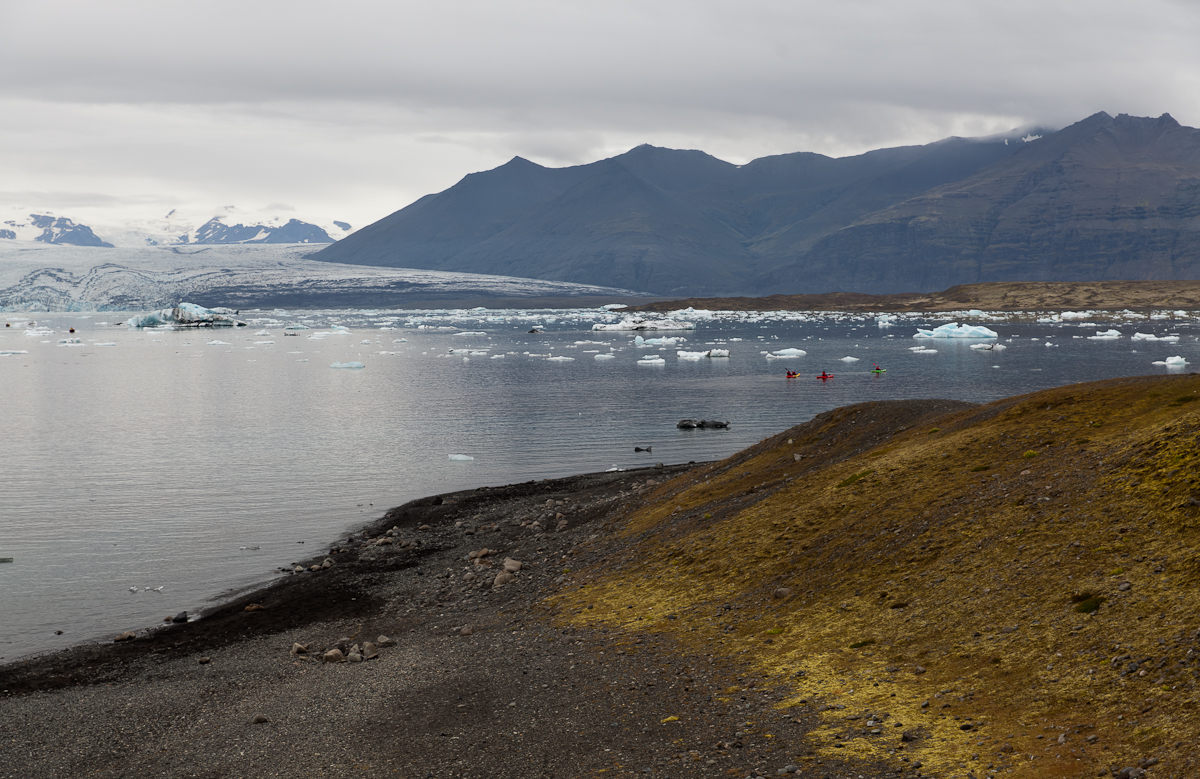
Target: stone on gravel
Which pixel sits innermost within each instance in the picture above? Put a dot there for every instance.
(299, 649)
(328, 563)
(204, 660)
(255, 607)
(385, 641)
(511, 565)
(354, 657)
(502, 579)
(259, 719)
(466, 631)
(782, 593)
(333, 656)
(180, 617)
(1124, 586)
(128, 635)
(369, 651)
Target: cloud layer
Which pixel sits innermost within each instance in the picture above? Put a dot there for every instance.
(355, 109)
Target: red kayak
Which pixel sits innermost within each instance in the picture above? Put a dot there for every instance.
(825, 375)
(793, 375)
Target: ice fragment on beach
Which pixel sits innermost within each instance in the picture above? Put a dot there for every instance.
(461, 457)
(1107, 335)
(352, 365)
(955, 330)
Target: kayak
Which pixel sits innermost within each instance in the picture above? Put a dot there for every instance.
(879, 370)
(824, 376)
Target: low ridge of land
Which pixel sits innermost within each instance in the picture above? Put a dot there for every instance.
(1015, 296)
(892, 589)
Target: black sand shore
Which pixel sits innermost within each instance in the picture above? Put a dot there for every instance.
(521, 694)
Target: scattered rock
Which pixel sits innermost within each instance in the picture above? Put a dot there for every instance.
(1124, 586)
(299, 649)
(918, 670)
(511, 565)
(128, 635)
(354, 657)
(369, 651)
(562, 525)
(502, 579)
(385, 641)
(781, 593)
(333, 656)
(255, 607)
(180, 617)
(328, 563)
(259, 719)
(204, 660)
(466, 631)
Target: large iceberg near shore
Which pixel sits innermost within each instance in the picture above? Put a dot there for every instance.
(187, 315)
(955, 330)
(638, 323)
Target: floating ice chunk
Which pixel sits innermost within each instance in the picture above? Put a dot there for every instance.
(886, 320)
(188, 315)
(607, 357)
(614, 306)
(400, 341)
(105, 343)
(497, 356)
(786, 354)
(1171, 362)
(691, 355)
(365, 342)
(1151, 337)
(36, 332)
(213, 342)
(987, 347)
(638, 323)
(1107, 335)
(849, 359)
(471, 333)
(264, 342)
(339, 329)
(652, 359)
(70, 342)
(7, 352)
(664, 341)
(352, 365)
(560, 359)
(461, 457)
(593, 343)
(955, 330)
(922, 350)
(262, 332)
(718, 353)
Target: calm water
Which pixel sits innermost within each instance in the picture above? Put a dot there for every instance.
(156, 459)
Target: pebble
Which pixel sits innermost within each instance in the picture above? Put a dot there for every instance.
(466, 631)
(299, 649)
(782, 593)
(502, 579)
(128, 635)
(204, 660)
(259, 719)
(511, 565)
(333, 656)
(354, 657)
(180, 617)
(328, 563)
(369, 651)
(255, 607)
(1124, 586)
(385, 641)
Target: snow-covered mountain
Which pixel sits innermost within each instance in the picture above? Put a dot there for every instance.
(230, 225)
(47, 228)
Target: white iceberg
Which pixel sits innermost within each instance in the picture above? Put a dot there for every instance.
(560, 359)
(922, 350)
(607, 357)
(886, 320)
(471, 333)
(989, 347)
(461, 457)
(849, 359)
(70, 342)
(1171, 362)
(213, 342)
(1107, 335)
(651, 359)
(1151, 337)
(352, 365)
(955, 330)
(785, 354)
(664, 341)
(686, 355)
(638, 323)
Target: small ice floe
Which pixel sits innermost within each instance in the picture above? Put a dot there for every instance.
(685, 355)
(365, 342)
(461, 457)
(7, 352)
(921, 350)
(989, 347)
(261, 343)
(1151, 337)
(664, 341)
(472, 333)
(1171, 362)
(652, 359)
(886, 320)
(249, 548)
(1106, 335)
(400, 341)
(605, 357)
(352, 365)
(560, 359)
(213, 342)
(638, 323)
(1048, 343)
(262, 332)
(785, 354)
(849, 359)
(133, 589)
(105, 343)
(70, 342)
(497, 356)
(955, 330)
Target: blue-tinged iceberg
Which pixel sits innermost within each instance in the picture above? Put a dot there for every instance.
(186, 315)
(955, 330)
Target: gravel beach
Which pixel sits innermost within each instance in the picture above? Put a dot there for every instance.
(482, 679)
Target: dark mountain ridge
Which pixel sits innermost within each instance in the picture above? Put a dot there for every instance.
(1104, 198)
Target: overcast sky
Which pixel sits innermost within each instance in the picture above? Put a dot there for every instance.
(352, 110)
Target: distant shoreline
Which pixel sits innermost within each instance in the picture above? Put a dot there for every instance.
(1012, 296)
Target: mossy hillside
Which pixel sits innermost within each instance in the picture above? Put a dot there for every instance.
(967, 580)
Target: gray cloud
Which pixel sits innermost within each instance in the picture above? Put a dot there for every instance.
(364, 106)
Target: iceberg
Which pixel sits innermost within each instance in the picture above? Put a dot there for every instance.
(686, 355)
(1171, 362)
(471, 333)
(1151, 337)
(955, 330)
(638, 323)
(461, 457)
(186, 315)
(1107, 335)
(560, 359)
(989, 347)
(352, 365)
(651, 359)
(606, 357)
(921, 350)
(849, 359)
(664, 341)
(785, 354)
(886, 320)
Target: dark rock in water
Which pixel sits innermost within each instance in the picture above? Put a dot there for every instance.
(691, 424)
(643, 448)
(180, 617)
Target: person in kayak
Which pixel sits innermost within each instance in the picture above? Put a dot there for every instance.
(793, 375)
(825, 375)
